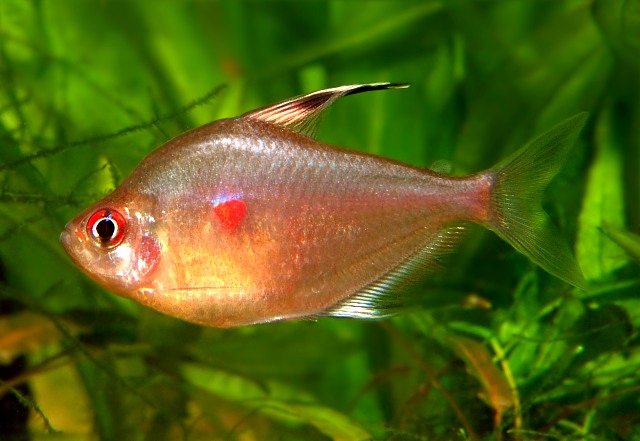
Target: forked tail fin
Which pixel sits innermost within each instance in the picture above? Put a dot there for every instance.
(516, 200)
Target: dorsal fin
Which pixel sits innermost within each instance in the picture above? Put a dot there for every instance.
(441, 166)
(301, 113)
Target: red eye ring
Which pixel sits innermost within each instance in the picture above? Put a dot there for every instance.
(106, 227)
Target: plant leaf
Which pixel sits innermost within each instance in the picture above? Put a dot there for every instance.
(496, 391)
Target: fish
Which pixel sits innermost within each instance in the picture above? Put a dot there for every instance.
(250, 220)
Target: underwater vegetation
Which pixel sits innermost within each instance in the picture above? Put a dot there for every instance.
(487, 347)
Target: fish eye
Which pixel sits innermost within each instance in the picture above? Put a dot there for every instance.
(106, 227)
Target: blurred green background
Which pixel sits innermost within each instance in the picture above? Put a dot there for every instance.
(491, 347)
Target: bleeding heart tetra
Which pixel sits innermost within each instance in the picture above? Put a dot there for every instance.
(249, 220)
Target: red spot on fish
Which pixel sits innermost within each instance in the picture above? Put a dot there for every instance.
(230, 213)
(149, 254)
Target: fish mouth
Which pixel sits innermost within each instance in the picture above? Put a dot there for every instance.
(65, 237)
(68, 239)
(73, 244)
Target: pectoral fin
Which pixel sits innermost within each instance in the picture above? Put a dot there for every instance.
(301, 113)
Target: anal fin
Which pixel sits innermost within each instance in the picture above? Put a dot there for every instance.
(375, 300)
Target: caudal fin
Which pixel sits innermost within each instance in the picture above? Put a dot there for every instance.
(516, 200)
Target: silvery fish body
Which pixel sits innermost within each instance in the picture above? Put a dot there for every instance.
(249, 220)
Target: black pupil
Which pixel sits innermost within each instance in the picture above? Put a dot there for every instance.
(105, 229)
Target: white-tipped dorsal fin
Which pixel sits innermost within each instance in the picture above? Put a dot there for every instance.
(301, 113)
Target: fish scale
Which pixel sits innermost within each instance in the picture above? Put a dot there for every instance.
(250, 220)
